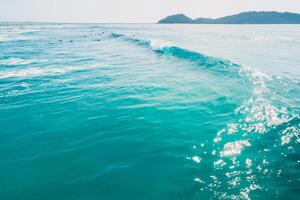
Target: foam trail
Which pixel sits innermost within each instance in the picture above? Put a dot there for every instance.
(37, 71)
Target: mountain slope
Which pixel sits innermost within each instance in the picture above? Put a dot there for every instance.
(179, 18)
(241, 18)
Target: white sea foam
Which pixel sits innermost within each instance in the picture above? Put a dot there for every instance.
(16, 34)
(159, 44)
(26, 30)
(29, 72)
(37, 71)
(6, 38)
(20, 61)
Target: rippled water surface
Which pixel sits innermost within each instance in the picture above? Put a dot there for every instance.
(110, 111)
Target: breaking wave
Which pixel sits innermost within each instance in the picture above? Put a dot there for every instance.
(167, 49)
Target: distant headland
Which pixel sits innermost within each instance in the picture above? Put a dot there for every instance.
(252, 17)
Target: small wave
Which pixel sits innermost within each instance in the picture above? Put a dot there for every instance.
(7, 35)
(115, 35)
(5, 38)
(167, 49)
(36, 71)
(29, 72)
(25, 31)
(19, 61)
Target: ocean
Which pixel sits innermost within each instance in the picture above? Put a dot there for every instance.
(149, 111)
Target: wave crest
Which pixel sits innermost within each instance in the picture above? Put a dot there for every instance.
(168, 49)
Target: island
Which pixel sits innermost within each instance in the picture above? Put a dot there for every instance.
(251, 17)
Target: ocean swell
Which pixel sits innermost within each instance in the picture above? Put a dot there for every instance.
(164, 48)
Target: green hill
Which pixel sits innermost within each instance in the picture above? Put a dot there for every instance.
(242, 18)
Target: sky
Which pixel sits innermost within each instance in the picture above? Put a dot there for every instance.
(131, 11)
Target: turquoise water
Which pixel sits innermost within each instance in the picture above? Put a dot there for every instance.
(111, 111)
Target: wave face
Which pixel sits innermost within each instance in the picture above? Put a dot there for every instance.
(180, 53)
(85, 107)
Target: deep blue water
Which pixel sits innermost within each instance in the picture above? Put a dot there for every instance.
(112, 111)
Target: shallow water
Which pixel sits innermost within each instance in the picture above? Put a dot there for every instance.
(111, 111)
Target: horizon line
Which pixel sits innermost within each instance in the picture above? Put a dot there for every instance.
(148, 23)
(62, 22)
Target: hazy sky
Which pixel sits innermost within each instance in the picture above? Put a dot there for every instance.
(131, 10)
